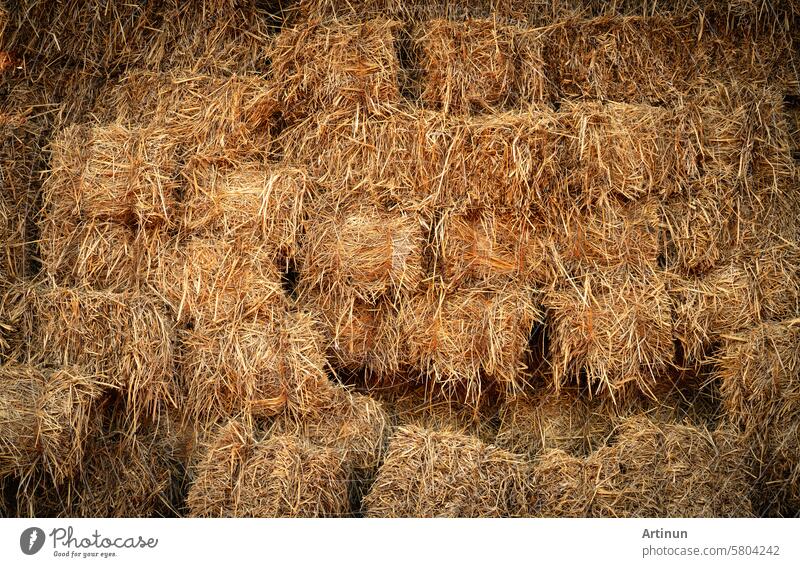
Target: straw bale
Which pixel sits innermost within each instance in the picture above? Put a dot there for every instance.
(126, 475)
(113, 173)
(672, 470)
(260, 366)
(564, 486)
(469, 340)
(22, 385)
(371, 252)
(484, 245)
(97, 253)
(419, 405)
(532, 82)
(793, 118)
(735, 296)
(513, 11)
(289, 477)
(248, 202)
(608, 236)
(654, 469)
(647, 60)
(395, 158)
(759, 372)
(215, 117)
(744, 137)
(759, 375)
(124, 339)
(357, 335)
(216, 475)
(465, 66)
(207, 278)
(305, 11)
(336, 66)
(566, 420)
(442, 474)
(64, 409)
(699, 229)
(627, 150)
(618, 332)
(509, 159)
(223, 37)
(756, 49)
(354, 425)
(96, 35)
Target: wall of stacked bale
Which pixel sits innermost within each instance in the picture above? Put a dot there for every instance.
(383, 258)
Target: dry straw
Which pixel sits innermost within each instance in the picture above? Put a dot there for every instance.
(482, 246)
(124, 339)
(417, 404)
(246, 203)
(758, 371)
(363, 251)
(675, 470)
(221, 35)
(278, 476)
(289, 477)
(338, 66)
(699, 229)
(442, 474)
(654, 469)
(618, 331)
(626, 150)
(465, 66)
(626, 59)
(470, 340)
(127, 175)
(258, 366)
(127, 475)
(509, 159)
(358, 335)
(210, 278)
(217, 471)
(214, 117)
(126, 472)
(735, 296)
(384, 158)
(353, 425)
(550, 420)
(609, 236)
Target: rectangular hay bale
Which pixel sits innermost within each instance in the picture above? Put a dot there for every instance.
(439, 474)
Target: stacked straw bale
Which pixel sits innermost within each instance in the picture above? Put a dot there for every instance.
(566, 228)
(653, 469)
(618, 333)
(208, 116)
(124, 474)
(564, 420)
(281, 475)
(759, 374)
(45, 417)
(105, 36)
(358, 72)
(258, 366)
(481, 81)
(441, 474)
(123, 339)
(111, 192)
(416, 404)
(470, 340)
(354, 425)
